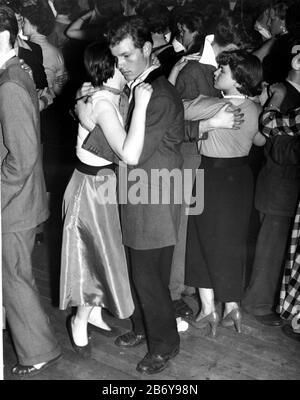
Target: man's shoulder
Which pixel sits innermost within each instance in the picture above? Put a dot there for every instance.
(16, 75)
(162, 86)
(14, 72)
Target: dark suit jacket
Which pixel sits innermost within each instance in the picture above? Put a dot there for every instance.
(23, 193)
(149, 226)
(34, 58)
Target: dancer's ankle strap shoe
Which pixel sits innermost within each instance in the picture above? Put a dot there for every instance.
(211, 319)
(233, 318)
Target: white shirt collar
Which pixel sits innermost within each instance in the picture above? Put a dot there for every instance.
(63, 19)
(140, 79)
(208, 54)
(10, 54)
(142, 76)
(296, 85)
(51, 5)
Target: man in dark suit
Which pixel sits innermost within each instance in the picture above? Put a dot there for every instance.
(23, 206)
(276, 198)
(149, 230)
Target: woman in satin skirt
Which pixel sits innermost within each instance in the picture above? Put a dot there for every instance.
(93, 265)
(94, 269)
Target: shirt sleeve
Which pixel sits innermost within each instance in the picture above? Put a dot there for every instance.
(21, 139)
(274, 123)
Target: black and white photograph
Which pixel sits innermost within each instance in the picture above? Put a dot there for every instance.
(150, 194)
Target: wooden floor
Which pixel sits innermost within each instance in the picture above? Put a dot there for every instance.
(258, 353)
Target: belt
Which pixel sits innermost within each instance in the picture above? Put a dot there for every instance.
(91, 169)
(223, 162)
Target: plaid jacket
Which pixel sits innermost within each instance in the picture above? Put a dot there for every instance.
(274, 123)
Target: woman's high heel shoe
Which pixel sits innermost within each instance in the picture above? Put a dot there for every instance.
(211, 319)
(233, 318)
(82, 351)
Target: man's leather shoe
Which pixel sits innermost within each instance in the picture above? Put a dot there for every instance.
(130, 339)
(271, 319)
(155, 363)
(181, 308)
(30, 370)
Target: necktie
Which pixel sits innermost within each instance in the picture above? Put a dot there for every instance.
(124, 102)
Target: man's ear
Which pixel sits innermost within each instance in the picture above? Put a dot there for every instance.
(147, 49)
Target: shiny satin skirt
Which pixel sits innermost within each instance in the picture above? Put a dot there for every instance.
(93, 263)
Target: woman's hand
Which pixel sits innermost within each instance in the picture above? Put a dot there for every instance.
(176, 69)
(87, 89)
(277, 93)
(83, 110)
(227, 118)
(142, 94)
(181, 64)
(155, 60)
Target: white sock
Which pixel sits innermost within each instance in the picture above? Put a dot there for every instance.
(79, 332)
(39, 366)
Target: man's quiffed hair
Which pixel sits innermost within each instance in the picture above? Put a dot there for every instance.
(134, 26)
(245, 68)
(99, 63)
(8, 22)
(41, 17)
(230, 30)
(158, 19)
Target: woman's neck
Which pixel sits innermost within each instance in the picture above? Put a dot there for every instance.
(158, 40)
(234, 95)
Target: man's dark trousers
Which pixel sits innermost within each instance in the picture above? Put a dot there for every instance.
(154, 312)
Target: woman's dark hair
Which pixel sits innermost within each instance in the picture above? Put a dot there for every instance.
(15, 5)
(99, 63)
(134, 26)
(280, 9)
(41, 17)
(227, 31)
(245, 68)
(109, 8)
(158, 19)
(8, 22)
(292, 20)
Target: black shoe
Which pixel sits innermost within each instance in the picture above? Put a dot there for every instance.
(182, 309)
(130, 339)
(271, 319)
(155, 363)
(30, 370)
(82, 351)
(289, 331)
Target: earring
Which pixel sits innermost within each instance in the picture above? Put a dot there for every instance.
(283, 29)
